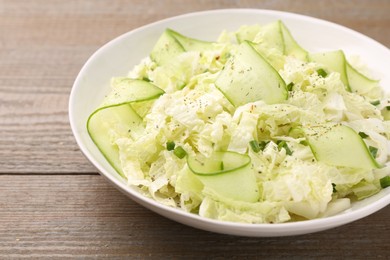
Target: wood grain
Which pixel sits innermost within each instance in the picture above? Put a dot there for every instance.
(45, 43)
(52, 202)
(63, 216)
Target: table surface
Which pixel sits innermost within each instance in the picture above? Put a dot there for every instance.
(53, 203)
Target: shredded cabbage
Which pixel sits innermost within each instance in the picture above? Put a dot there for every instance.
(195, 115)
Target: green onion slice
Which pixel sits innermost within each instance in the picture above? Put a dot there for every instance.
(334, 187)
(385, 182)
(322, 73)
(290, 86)
(283, 144)
(373, 151)
(180, 152)
(255, 146)
(170, 145)
(375, 103)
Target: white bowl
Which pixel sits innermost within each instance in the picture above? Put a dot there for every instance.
(117, 57)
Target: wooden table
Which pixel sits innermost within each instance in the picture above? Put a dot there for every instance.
(54, 204)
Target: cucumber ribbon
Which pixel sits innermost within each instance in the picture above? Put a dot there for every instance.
(229, 174)
(118, 116)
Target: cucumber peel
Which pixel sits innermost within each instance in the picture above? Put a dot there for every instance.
(117, 115)
(359, 83)
(291, 47)
(248, 77)
(271, 39)
(247, 33)
(229, 174)
(339, 145)
(165, 48)
(191, 44)
(127, 90)
(353, 80)
(335, 61)
(275, 34)
(272, 36)
(102, 121)
(172, 43)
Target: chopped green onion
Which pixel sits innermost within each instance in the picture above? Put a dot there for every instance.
(322, 73)
(290, 86)
(258, 146)
(375, 103)
(222, 166)
(304, 142)
(288, 151)
(387, 108)
(180, 152)
(170, 145)
(363, 135)
(373, 151)
(334, 187)
(255, 146)
(146, 79)
(263, 144)
(385, 182)
(283, 144)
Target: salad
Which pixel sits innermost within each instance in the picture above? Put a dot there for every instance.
(250, 128)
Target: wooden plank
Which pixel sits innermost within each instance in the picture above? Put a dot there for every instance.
(45, 43)
(81, 20)
(63, 216)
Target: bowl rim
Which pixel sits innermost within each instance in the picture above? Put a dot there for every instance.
(234, 228)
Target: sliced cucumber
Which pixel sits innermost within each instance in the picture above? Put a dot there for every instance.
(276, 35)
(271, 40)
(291, 47)
(339, 145)
(172, 43)
(117, 116)
(125, 90)
(352, 79)
(247, 33)
(360, 83)
(166, 47)
(272, 36)
(229, 174)
(334, 61)
(248, 77)
(191, 44)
